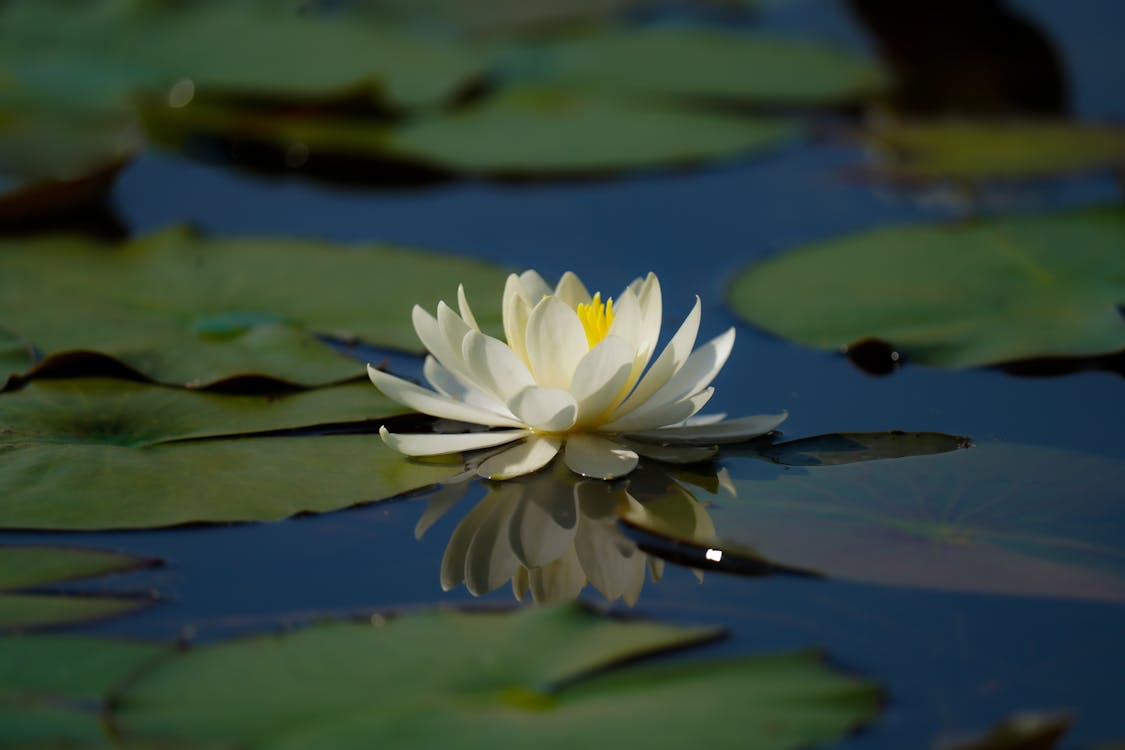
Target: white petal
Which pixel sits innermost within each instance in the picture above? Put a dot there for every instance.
(600, 376)
(543, 526)
(533, 287)
(626, 319)
(599, 458)
(733, 431)
(434, 404)
(572, 291)
(452, 328)
(463, 306)
(417, 444)
(668, 414)
(545, 409)
(429, 333)
(556, 341)
(459, 389)
(494, 366)
(531, 455)
(651, 303)
(702, 419)
(667, 364)
(516, 310)
(672, 454)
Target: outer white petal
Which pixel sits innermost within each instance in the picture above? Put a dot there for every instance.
(516, 310)
(463, 307)
(556, 341)
(429, 332)
(670, 413)
(494, 366)
(453, 329)
(667, 364)
(732, 431)
(545, 409)
(461, 389)
(598, 457)
(600, 376)
(531, 455)
(417, 444)
(651, 303)
(695, 375)
(434, 404)
(571, 290)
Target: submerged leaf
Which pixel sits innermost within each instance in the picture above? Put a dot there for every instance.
(189, 310)
(992, 291)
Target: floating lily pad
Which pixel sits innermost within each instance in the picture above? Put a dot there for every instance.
(26, 567)
(852, 447)
(111, 454)
(189, 310)
(988, 292)
(703, 63)
(997, 518)
(97, 56)
(53, 689)
(547, 677)
(989, 151)
(1025, 731)
(536, 130)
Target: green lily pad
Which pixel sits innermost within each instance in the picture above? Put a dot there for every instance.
(991, 291)
(537, 130)
(189, 310)
(851, 447)
(97, 56)
(53, 689)
(1023, 731)
(26, 567)
(702, 63)
(990, 151)
(112, 454)
(555, 677)
(996, 518)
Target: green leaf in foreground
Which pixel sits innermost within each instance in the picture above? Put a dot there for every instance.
(24, 567)
(189, 310)
(549, 677)
(992, 291)
(96, 454)
(702, 63)
(993, 151)
(996, 518)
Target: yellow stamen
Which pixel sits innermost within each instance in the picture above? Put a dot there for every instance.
(596, 318)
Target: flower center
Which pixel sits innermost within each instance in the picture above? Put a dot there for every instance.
(596, 318)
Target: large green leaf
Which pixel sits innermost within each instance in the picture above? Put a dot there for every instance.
(996, 518)
(53, 689)
(528, 130)
(24, 567)
(547, 677)
(97, 56)
(104, 454)
(983, 151)
(184, 309)
(990, 291)
(702, 63)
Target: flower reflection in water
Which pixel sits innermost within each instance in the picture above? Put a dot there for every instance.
(552, 533)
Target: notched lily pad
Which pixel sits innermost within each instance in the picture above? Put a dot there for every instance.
(982, 151)
(989, 292)
(97, 454)
(25, 568)
(996, 518)
(184, 309)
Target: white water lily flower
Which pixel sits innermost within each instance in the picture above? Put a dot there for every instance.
(574, 376)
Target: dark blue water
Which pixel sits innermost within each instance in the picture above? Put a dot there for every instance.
(952, 663)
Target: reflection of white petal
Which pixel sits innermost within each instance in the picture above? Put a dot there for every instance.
(732, 431)
(599, 458)
(667, 364)
(520, 583)
(672, 454)
(561, 581)
(600, 376)
(524, 458)
(434, 404)
(489, 560)
(453, 561)
(545, 409)
(543, 525)
(572, 291)
(494, 366)
(438, 504)
(429, 444)
(556, 341)
(670, 413)
(611, 562)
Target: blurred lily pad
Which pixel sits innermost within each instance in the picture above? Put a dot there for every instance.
(529, 130)
(993, 151)
(1023, 731)
(702, 63)
(552, 677)
(997, 518)
(991, 291)
(28, 567)
(851, 447)
(184, 309)
(96, 56)
(95, 454)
